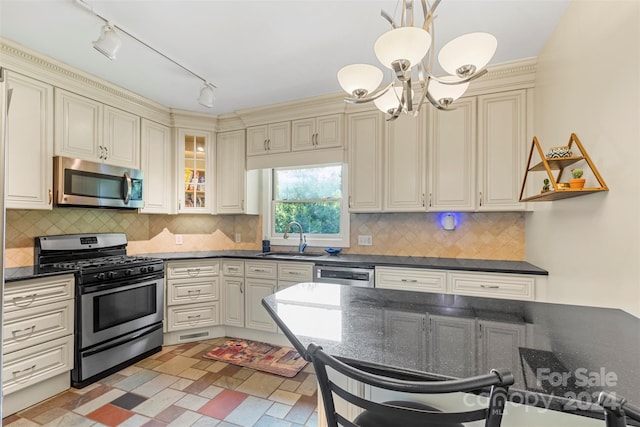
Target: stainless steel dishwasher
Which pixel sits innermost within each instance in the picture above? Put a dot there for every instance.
(353, 276)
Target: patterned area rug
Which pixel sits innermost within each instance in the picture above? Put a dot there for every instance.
(284, 361)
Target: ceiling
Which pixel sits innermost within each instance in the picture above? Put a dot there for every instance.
(256, 52)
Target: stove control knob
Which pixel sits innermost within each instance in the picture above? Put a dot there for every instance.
(100, 276)
(128, 272)
(111, 275)
(143, 269)
(151, 268)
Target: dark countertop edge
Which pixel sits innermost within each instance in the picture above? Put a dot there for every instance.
(454, 264)
(15, 274)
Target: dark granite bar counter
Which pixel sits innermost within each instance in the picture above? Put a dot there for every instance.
(561, 356)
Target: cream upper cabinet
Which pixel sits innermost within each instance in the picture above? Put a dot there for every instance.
(269, 139)
(157, 165)
(452, 157)
(89, 130)
(78, 129)
(404, 164)
(319, 132)
(501, 150)
(365, 136)
(121, 138)
(29, 164)
(236, 188)
(195, 170)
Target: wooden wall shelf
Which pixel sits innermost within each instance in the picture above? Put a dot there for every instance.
(559, 164)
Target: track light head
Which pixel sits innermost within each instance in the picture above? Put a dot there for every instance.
(108, 43)
(206, 97)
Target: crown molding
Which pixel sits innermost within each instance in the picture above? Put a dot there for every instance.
(193, 120)
(25, 61)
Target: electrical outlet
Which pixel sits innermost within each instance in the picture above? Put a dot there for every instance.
(365, 240)
(238, 237)
(179, 240)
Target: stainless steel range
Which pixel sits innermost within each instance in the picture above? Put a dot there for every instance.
(119, 300)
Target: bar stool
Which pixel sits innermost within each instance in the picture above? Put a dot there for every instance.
(405, 413)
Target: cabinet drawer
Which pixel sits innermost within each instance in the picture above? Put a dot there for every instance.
(24, 368)
(261, 269)
(192, 290)
(33, 292)
(295, 272)
(193, 315)
(411, 279)
(233, 268)
(492, 285)
(35, 325)
(187, 269)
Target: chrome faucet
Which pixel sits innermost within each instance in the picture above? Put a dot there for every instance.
(303, 238)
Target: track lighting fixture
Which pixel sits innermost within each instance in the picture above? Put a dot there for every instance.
(109, 43)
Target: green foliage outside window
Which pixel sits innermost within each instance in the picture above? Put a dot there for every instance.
(310, 196)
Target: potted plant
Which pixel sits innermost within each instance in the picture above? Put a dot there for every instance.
(545, 187)
(577, 181)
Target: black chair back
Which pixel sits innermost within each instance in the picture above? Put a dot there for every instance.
(401, 413)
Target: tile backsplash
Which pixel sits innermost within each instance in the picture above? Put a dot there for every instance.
(477, 235)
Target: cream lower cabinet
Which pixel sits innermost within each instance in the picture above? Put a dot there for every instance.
(261, 280)
(233, 291)
(37, 340)
(192, 295)
(157, 165)
(472, 283)
(29, 168)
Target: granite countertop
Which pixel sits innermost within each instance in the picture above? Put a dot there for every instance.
(347, 260)
(556, 352)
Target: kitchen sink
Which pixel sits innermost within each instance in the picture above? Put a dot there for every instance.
(288, 255)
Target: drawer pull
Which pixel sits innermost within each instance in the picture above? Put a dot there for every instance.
(409, 280)
(18, 299)
(490, 286)
(196, 292)
(294, 273)
(28, 331)
(233, 269)
(194, 317)
(31, 370)
(260, 270)
(193, 272)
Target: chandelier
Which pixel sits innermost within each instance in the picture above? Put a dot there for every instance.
(404, 50)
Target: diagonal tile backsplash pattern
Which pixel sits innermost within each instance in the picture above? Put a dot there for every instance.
(478, 235)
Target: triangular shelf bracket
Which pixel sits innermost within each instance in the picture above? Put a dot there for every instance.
(559, 191)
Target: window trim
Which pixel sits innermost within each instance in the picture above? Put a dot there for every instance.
(323, 241)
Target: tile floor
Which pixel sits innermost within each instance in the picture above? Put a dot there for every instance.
(177, 387)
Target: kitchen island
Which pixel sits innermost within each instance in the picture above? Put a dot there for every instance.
(561, 356)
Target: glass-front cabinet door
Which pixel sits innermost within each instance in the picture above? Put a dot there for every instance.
(196, 174)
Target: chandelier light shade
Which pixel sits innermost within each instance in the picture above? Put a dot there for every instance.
(445, 93)
(359, 79)
(206, 97)
(410, 44)
(108, 43)
(404, 50)
(466, 54)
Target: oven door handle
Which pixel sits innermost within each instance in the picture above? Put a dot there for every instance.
(121, 341)
(127, 192)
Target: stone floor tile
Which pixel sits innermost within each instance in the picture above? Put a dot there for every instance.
(159, 402)
(128, 401)
(70, 419)
(278, 410)
(154, 423)
(192, 402)
(20, 422)
(170, 414)
(205, 421)
(302, 410)
(112, 379)
(289, 385)
(87, 389)
(50, 415)
(211, 392)
(285, 397)
(313, 420)
(136, 421)
(197, 350)
(176, 365)
(223, 404)
(110, 415)
(98, 402)
(155, 385)
(267, 421)
(149, 363)
(202, 383)
(136, 380)
(192, 374)
(181, 384)
(249, 411)
(130, 370)
(309, 386)
(260, 384)
(244, 373)
(227, 382)
(203, 364)
(186, 419)
(217, 366)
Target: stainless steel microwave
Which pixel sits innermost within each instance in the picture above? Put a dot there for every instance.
(83, 183)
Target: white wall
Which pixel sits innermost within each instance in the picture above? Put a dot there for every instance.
(588, 82)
